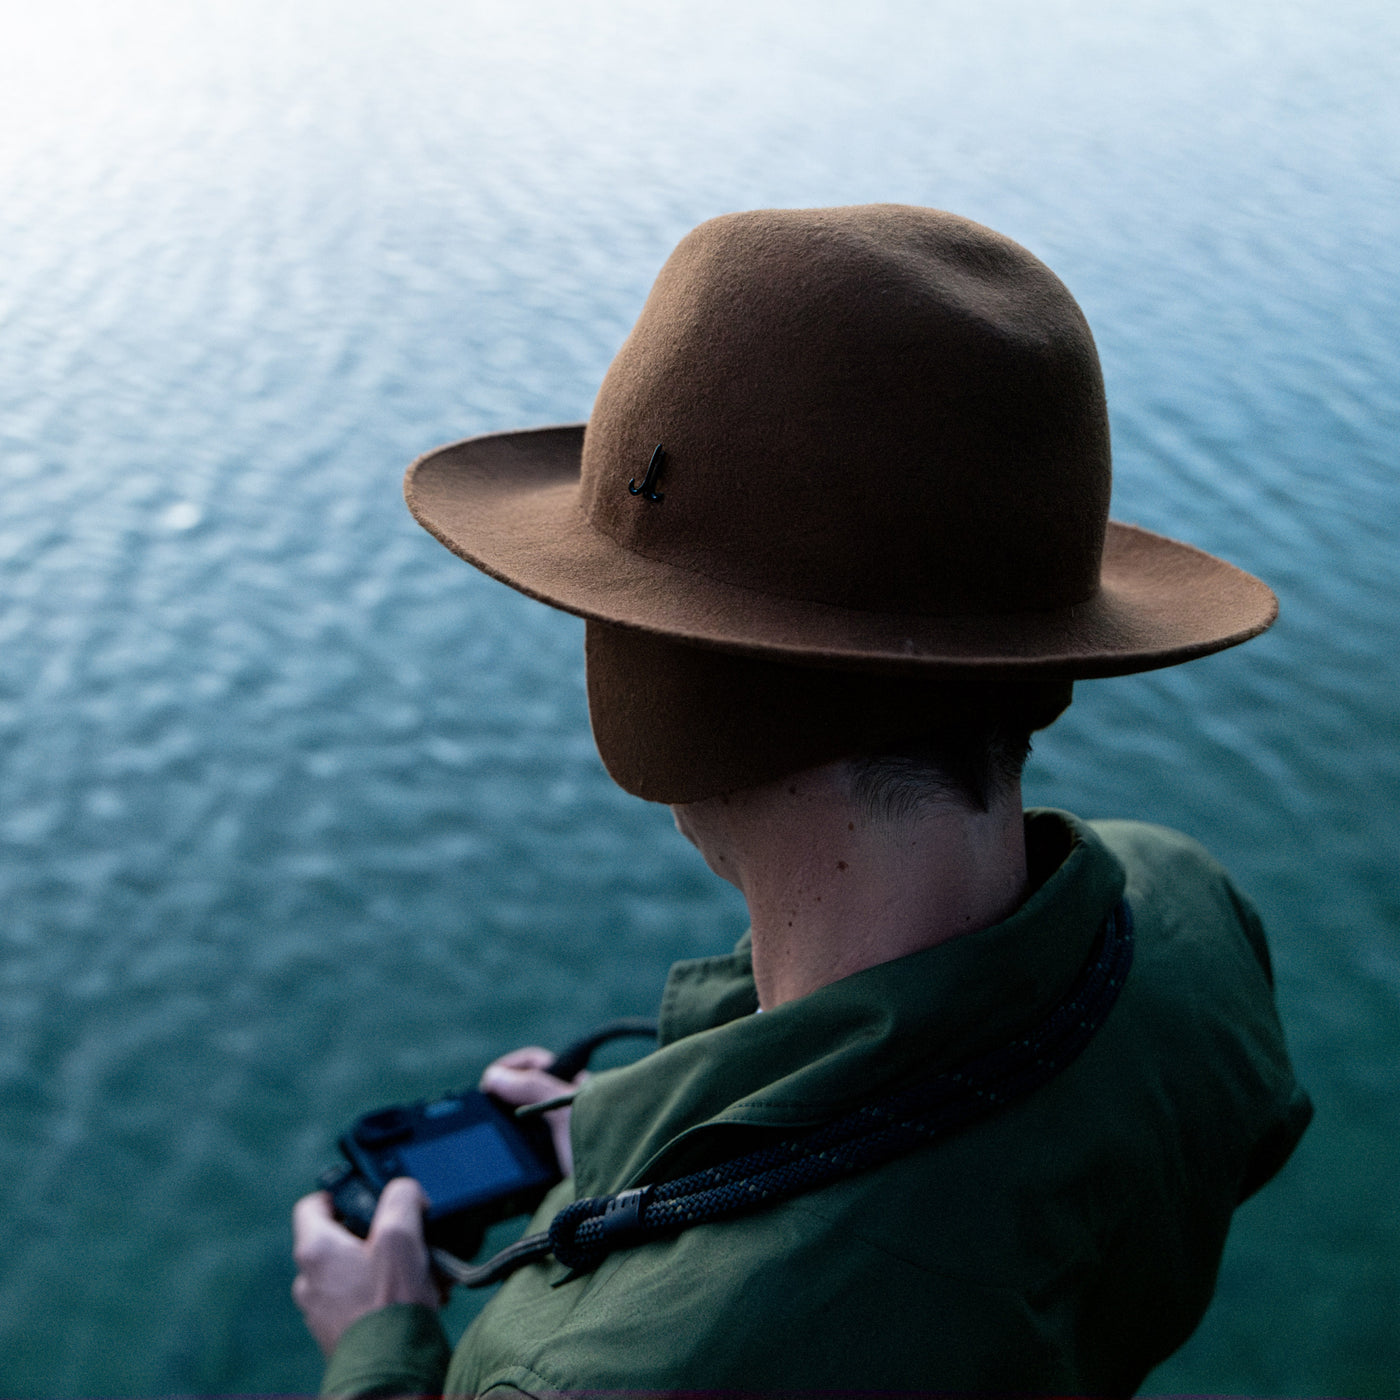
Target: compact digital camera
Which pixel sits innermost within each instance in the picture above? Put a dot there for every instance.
(476, 1161)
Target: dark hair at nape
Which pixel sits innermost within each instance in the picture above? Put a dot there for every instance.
(966, 764)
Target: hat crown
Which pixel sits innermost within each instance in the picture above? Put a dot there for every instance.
(883, 408)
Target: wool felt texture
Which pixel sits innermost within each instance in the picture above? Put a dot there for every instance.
(884, 447)
(677, 723)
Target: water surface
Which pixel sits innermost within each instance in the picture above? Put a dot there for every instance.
(299, 815)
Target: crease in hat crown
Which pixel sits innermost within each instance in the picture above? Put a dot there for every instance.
(885, 446)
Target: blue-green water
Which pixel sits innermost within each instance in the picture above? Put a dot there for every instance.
(299, 815)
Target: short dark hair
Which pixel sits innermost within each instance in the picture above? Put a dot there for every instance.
(967, 764)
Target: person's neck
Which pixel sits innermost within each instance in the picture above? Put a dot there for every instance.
(832, 891)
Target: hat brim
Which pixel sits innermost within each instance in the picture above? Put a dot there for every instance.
(509, 504)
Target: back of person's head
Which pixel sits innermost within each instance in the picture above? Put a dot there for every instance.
(969, 764)
(844, 489)
(678, 723)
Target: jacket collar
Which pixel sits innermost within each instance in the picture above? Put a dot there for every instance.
(720, 1070)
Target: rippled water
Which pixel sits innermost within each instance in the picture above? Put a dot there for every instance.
(299, 815)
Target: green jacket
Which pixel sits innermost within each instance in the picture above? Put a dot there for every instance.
(1067, 1244)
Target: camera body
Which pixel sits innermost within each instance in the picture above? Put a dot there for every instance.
(475, 1162)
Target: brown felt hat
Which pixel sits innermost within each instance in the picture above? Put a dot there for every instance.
(866, 440)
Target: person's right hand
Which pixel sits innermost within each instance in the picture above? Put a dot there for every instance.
(340, 1278)
(522, 1077)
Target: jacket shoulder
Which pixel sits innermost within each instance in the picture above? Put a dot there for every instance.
(1171, 876)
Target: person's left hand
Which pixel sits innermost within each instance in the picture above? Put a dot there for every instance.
(523, 1077)
(341, 1278)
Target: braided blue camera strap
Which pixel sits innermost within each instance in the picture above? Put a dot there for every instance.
(585, 1232)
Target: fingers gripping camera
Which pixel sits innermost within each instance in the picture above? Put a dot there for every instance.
(477, 1162)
